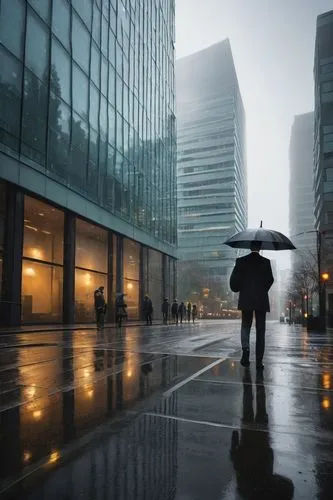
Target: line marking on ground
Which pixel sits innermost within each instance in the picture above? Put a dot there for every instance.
(191, 377)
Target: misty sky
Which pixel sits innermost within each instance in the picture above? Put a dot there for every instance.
(273, 47)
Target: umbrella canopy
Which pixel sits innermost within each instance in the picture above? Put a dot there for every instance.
(270, 240)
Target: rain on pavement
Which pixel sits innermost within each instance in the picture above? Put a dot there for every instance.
(165, 412)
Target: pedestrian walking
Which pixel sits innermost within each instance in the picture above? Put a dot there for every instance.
(121, 306)
(148, 310)
(252, 277)
(100, 306)
(182, 311)
(165, 311)
(194, 312)
(189, 309)
(174, 311)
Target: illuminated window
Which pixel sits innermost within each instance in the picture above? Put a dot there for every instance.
(131, 272)
(91, 268)
(42, 266)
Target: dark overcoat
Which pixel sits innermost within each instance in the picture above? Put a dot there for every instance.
(252, 277)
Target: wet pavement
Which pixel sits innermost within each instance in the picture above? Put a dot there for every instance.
(165, 412)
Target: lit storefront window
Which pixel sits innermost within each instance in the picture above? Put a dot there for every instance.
(42, 266)
(131, 272)
(90, 268)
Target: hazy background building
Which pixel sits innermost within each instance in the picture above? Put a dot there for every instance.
(301, 195)
(211, 171)
(323, 142)
(87, 157)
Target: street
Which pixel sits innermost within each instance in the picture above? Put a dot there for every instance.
(166, 412)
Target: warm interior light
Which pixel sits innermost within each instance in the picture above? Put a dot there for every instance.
(86, 373)
(41, 214)
(129, 286)
(326, 403)
(326, 380)
(37, 414)
(36, 253)
(90, 393)
(31, 391)
(29, 271)
(325, 276)
(129, 373)
(87, 278)
(305, 315)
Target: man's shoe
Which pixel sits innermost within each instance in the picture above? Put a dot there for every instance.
(245, 359)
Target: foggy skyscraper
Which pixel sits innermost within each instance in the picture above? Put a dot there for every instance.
(211, 167)
(301, 197)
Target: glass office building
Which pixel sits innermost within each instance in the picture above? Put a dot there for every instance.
(211, 170)
(87, 156)
(323, 146)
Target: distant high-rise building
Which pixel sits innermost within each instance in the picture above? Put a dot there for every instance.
(323, 141)
(211, 168)
(301, 197)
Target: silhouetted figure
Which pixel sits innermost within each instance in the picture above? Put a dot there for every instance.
(252, 455)
(194, 312)
(189, 309)
(165, 311)
(147, 310)
(252, 277)
(100, 306)
(121, 306)
(174, 311)
(182, 311)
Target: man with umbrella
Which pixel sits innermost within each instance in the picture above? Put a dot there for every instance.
(252, 277)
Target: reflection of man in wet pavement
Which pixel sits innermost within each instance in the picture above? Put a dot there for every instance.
(252, 455)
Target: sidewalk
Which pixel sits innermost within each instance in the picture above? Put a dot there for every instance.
(62, 327)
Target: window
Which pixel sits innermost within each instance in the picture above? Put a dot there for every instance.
(42, 271)
(131, 273)
(79, 153)
(112, 85)
(10, 99)
(59, 136)
(37, 46)
(12, 16)
(81, 43)
(84, 9)
(43, 8)
(61, 66)
(90, 267)
(61, 21)
(34, 118)
(94, 106)
(95, 65)
(80, 91)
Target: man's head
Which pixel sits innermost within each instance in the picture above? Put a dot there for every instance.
(101, 289)
(255, 246)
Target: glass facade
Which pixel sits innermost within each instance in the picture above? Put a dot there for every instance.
(323, 135)
(87, 98)
(211, 169)
(87, 123)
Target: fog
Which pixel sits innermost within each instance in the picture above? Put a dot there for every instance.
(273, 48)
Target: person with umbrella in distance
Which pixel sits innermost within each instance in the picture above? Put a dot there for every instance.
(252, 277)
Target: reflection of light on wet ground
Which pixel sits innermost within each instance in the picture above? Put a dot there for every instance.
(326, 380)
(54, 457)
(326, 403)
(27, 457)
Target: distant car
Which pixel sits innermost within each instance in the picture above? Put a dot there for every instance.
(282, 319)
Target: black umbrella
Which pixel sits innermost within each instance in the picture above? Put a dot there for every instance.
(270, 240)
